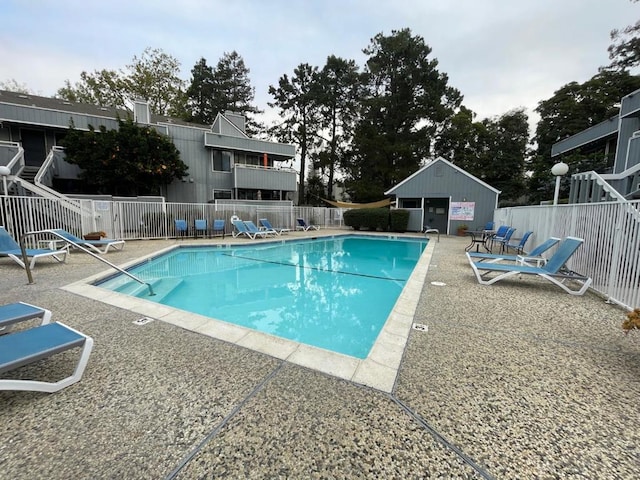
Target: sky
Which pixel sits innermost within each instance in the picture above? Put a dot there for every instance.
(500, 54)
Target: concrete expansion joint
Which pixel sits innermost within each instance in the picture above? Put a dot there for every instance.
(443, 441)
(174, 473)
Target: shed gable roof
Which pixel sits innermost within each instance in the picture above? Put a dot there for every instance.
(431, 164)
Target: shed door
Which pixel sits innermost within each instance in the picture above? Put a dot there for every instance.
(436, 213)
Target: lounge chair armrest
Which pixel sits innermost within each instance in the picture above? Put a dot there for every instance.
(524, 260)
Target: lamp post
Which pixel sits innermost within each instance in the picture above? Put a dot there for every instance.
(559, 169)
(4, 173)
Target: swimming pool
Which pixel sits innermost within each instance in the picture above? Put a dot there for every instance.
(379, 370)
(334, 293)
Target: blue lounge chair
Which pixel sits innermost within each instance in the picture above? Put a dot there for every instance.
(239, 229)
(98, 246)
(200, 225)
(519, 247)
(242, 229)
(218, 227)
(12, 313)
(10, 248)
(266, 225)
(19, 312)
(255, 231)
(302, 225)
(28, 346)
(554, 270)
(534, 256)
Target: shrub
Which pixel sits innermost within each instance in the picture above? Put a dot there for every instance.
(633, 321)
(370, 218)
(377, 219)
(353, 218)
(398, 220)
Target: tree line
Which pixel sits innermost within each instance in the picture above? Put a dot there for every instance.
(369, 128)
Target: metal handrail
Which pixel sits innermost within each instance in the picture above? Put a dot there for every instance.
(19, 155)
(85, 250)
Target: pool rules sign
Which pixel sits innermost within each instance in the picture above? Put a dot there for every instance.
(462, 210)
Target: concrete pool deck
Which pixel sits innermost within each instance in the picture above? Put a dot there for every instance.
(514, 380)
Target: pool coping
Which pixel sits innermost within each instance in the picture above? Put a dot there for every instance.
(379, 370)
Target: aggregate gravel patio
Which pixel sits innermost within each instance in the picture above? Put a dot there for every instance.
(517, 380)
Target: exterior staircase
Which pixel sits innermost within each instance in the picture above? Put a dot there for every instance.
(590, 187)
(29, 173)
(30, 181)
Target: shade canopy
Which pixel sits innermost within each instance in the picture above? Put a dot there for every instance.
(380, 203)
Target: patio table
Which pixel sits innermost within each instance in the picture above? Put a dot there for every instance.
(480, 237)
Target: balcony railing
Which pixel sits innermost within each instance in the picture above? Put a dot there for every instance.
(264, 178)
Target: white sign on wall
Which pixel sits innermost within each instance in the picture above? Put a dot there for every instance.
(462, 210)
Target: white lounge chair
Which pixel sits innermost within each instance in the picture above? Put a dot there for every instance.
(302, 225)
(534, 256)
(99, 246)
(255, 231)
(27, 346)
(241, 228)
(19, 312)
(10, 248)
(266, 224)
(554, 270)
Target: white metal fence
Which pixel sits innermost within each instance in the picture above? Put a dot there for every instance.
(146, 220)
(611, 233)
(610, 254)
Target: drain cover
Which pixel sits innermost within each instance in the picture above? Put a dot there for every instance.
(420, 326)
(142, 321)
(438, 284)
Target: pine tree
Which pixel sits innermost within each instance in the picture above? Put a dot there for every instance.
(408, 102)
(232, 90)
(200, 94)
(299, 112)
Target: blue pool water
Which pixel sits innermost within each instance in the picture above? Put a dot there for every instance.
(334, 293)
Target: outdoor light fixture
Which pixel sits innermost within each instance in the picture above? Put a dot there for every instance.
(559, 169)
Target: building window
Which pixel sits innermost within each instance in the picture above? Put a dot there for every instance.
(222, 195)
(247, 159)
(411, 203)
(221, 161)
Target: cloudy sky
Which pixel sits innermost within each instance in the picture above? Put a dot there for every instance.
(501, 54)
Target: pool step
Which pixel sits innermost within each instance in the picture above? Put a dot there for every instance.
(161, 288)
